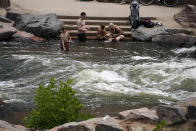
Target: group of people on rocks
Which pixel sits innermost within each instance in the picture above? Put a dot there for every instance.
(115, 33)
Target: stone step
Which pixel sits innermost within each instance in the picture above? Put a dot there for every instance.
(95, 38)
(94, 33)
(97, 22)
(92, 18)
(95, 27)
(99, 18)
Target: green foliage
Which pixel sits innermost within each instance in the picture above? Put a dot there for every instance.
(55, 105)
(159, 126)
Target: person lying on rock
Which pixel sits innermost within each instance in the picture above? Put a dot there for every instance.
(65, 40)
(116, 32)
(82, 28)
(102, 34)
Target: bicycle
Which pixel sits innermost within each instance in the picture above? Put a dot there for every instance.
(169, 3)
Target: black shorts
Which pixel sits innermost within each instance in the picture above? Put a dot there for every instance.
(82, 37)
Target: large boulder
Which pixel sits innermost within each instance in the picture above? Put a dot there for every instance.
(6, 32)
(43, 25)
(109, 124)
(146, 34)
(142, 114)
(12, 14)
(88, 125)
(178, 40)
(3, 19)
(22, 36)
(187, 17)
(5, 126)
(189, 107)
(172, 115)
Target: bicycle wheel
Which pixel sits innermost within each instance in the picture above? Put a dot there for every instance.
(171, 3)
(146, 2)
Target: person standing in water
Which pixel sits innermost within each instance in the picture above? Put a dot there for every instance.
(65, 40)
(82, 29)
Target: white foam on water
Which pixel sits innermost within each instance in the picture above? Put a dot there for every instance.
(6, 84)
(184, 50)
(14, 100)
(143, 58)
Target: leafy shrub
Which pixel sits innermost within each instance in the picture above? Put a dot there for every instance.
(160, 126)
(55, 105)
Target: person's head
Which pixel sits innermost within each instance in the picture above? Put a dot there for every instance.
(111, 26)
(63, 29)
(83, 15)
(102, 27)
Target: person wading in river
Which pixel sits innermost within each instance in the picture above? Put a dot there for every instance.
(65, 40)
(82, 29)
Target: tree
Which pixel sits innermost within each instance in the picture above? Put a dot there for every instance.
(55, 105)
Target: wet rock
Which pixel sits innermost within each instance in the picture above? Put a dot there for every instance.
(6, 32)
(4, 124)
(21, 36)
(187, 17)
(108, 124)
(142, 114)
(176, 31)
(1, 103)
(189, 107)
(43, 25)
(3, 19)
(172, 115)
(191, 112)
(88, 125)
(146, 34)
(178, 40)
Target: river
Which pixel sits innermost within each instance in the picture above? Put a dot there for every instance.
(107, 77)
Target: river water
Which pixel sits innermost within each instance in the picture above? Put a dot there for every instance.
(108, 77)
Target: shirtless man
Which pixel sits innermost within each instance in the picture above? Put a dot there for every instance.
(82, 27)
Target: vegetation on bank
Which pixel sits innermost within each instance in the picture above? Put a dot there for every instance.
(55, 105)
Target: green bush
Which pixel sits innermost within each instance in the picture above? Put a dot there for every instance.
(55, 105)
(159, 126)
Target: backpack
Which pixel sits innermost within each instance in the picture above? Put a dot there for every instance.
(148, 23)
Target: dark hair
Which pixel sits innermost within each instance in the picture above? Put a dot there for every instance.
(83, 14)
(102, 27)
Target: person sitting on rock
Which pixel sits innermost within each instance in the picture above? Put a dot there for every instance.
(65, 40)
(116, 32)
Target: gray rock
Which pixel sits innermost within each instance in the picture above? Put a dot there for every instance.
(142, 114)
(191, 112)
(24, 37)
(176, 39)
(172, 115)
(43, 25)
(4, 124)
(3, 19)
(1, 26)
(12, 14)
(88, 125)
(108, 124)
(6, 32)
(171, 31)
(187, 17)
(146, 34)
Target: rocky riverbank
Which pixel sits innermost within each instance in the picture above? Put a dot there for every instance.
(180, 116)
